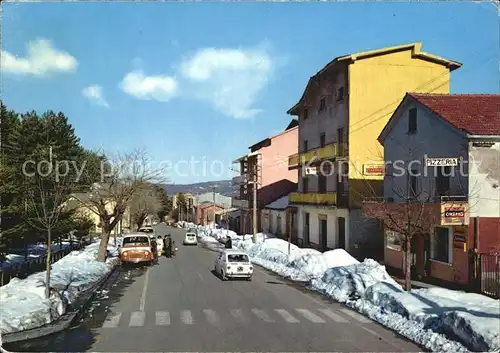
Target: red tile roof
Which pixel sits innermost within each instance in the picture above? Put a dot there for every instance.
(476, 114)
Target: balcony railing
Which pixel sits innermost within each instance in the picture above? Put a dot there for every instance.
(313, 198)
(330, 151)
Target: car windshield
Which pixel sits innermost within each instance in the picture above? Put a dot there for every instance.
(237, 258)
(135, 241)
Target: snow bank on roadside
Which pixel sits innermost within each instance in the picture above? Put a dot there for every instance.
(24, 305)
(34, 251)
(438, 319)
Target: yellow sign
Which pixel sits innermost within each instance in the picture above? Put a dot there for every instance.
(454, 214)
(374, 169)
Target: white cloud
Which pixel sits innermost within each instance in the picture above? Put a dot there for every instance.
(229, 79)
(42, 58)
(94, 94)
(140, 86)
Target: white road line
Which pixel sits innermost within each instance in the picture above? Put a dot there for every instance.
(310, 316)
(262, 315)
(137, 318)
(112, 320)
(211, 316)
(142, 304)
(334, 316)
(287, 316)
(237, 314)
(356, 316)
(162, 318)
(187, 317)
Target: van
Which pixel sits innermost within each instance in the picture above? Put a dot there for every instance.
(136, 248)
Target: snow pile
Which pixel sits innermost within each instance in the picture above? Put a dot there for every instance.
(438, 319)
(24, 305)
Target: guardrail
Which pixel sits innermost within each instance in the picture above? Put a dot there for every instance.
(33, 265)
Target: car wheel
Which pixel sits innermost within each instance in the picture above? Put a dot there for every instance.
(249, 279)
(222, 276)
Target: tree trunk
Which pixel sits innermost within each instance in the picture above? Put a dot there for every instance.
(408, 264)
(48, 263)
(103, 246)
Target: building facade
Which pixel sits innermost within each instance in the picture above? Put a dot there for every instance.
(341, 112)
(442, 157)
(266, 168)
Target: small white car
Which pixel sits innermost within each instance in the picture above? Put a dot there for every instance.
(148, 230)
(233, 264)
(190, 239)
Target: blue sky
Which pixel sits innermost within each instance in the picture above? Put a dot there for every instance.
(204, 81)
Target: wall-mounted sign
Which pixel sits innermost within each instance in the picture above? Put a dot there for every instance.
(441, 162)
(454, 213)
(373, 169)
(311, 171)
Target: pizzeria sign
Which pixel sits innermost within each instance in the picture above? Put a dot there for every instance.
(454, 213)
(441, 162)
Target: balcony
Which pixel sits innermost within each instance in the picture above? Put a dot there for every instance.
(329, 199)
(330, 151)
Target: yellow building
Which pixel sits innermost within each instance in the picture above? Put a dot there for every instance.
(79, 202)
(342, 111)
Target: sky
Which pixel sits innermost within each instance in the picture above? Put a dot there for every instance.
(195, 84)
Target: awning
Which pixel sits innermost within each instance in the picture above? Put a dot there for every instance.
(279, 204)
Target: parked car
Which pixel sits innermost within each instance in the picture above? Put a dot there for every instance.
(148, 230)
(136, 248)
(190, 239)
(233, 264)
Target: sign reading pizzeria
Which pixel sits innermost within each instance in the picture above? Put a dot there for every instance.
(454, 213)
(441, 162)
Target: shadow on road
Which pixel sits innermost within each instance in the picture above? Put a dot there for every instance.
(83, 334)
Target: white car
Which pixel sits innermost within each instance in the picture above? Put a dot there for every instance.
(190, 239)
(148, 230)
(233, 264)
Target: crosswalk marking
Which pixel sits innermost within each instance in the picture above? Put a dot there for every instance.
(112, 320)
(137, 318)
(162, 318)
(310, 316)
(356, 316)
(238, 315)
(241, 316)
(262, 315)
(186, 317)
(211, 316)
(287, 316)
(332, 315)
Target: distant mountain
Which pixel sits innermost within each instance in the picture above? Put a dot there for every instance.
(223, 187)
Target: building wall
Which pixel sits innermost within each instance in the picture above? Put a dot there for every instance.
(484, 180)
(274, 158)
(270, 221)
(332, 232)
(376, 87)
(209, 197)
(366, 237)
(434, 138)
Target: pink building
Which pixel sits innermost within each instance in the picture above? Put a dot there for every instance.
(268, 160)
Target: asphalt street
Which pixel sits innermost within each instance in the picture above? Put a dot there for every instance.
(180, 305)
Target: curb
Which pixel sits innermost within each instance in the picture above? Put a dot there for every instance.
(61, 323)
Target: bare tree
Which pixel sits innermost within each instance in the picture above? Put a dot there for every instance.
(145, 202)
(115, 180)
(44, 203)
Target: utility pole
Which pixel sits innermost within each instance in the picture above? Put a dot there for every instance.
(254, 190)
(213, 206)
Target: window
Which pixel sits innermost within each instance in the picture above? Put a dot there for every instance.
(412, 183)
(306, 147)
(278, 225)
(441, 240)
(393, 240)
(412, 121)
(135, 241)
(305, 185)
(340, 94)
(340, 141)
(322, 104)
(306, 228)
(237, 258)
(322, 140)
(443, 180)
(321, 182)
(305, 114)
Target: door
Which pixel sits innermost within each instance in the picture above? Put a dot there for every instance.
(341, 231)
(322, 233)
(306, 229)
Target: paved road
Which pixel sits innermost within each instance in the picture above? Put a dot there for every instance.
(180, 305)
